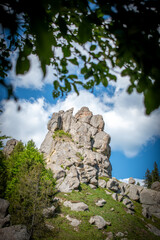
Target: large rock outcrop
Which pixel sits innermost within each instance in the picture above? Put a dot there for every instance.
(77, 149)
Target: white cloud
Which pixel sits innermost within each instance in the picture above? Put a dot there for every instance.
(124, 117)
(138, 180)
(28, 123)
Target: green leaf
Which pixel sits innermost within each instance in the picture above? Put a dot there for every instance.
(75, 88)
(56, 84)
(22, 65)
(105, 82)
(93, 47)
(66, 51)
(74, 61)
(72, 76)
(85, 31)
(62, 25)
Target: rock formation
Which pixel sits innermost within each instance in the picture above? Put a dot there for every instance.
(77, 149)
(10, 145)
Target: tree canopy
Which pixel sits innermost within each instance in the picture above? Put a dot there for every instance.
(94, 35)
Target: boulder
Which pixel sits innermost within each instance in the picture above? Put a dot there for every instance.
(113, 185)
(155, 186)
(98, 221)
(74, 222)
(102, 183)
(131, 180)
(78, 207)
(128, 203)
(49, 212)
(153, 229)
(115, 196)
(100, 203)
(4, 205)
(17, 232)
(133, 193)
(150, 197)
(5, 222)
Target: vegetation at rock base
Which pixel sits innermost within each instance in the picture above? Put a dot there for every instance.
(29, 187)
(96, 36)
(61, 134)
(151, 177)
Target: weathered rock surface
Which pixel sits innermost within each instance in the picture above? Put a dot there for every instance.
(153, 229)
(78, 206)
(49, 212)
(82, 155)
(74, 222)
(131, 180)
(7, 232)
(112, 184)
(10, 145)
(98, 221)
(17, 232)
(155, 186)
(100, 202)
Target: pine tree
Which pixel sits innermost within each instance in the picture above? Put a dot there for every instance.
(148, 178)
(155, 173)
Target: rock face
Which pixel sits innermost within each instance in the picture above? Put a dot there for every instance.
(7, 232)
(77, 149)
(10, 145)
(156, 186)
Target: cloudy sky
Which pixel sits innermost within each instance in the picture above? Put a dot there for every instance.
(135, 137)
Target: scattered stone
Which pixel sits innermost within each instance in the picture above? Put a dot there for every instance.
(92, 186)
(98, 221)
(102, 183)
(108, 223)
(49, 212)
(100, 202)
(115, 196)
(109, 236)
(131, 180)
(155, 186)
(153, 229)
(107, 192)
(79, 206)
(74, 222)
(112, 209)
(17, 232)
(129, 204)
(50, 227)
(119, 234)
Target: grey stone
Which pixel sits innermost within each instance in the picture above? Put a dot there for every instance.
(5, 222)
(150, 197)
(155, 186)
(153, 229)
(4, 205)
(100, 202)
(97, 122)
(119, 234)
(49, 212)
(17, 232)
(107, 192)
(74, 222)
(98, 221)
(79, 206)
(133, 193)
(131, 180)
(128, 203)
(84, 115)
(102, 183)
(109, 236)
(10, 145)
(115, 196)
(113, 185)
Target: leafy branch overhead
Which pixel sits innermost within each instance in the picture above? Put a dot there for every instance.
(94, 35)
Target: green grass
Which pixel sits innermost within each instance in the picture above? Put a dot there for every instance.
(79, 155)
(61, 134)
(120, 220)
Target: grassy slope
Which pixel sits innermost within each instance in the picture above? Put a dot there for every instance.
(120, 220)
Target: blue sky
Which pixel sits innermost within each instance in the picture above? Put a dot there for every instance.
(135, 137)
